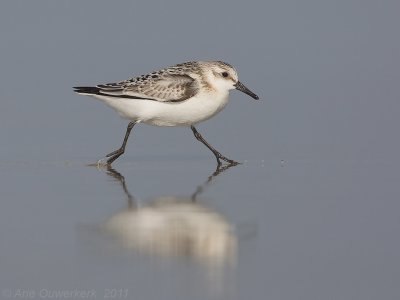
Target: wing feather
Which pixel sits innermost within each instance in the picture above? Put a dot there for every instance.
(164, 88)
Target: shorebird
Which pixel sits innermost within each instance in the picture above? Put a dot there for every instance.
(181, 95)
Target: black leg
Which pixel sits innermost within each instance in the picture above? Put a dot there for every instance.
(218, 155)
(121, 179)
(117, 153)
(218, 171)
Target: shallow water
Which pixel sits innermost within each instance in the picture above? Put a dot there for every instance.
(170, 229)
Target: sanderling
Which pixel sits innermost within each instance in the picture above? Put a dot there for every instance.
(182, 95)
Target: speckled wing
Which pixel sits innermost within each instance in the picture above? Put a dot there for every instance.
(163, 88)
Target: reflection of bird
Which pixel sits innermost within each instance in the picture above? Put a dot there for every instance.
(173, 226)
(181, 95)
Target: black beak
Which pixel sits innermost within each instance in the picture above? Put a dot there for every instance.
(240, 87)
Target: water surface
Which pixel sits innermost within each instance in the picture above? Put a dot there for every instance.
(293, 229)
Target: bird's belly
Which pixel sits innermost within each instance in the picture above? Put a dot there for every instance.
(188, 112)
(185, 113)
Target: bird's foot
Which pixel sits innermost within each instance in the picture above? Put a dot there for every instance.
(114, 155)
(116, 152)
(100, 164)
(225, 159)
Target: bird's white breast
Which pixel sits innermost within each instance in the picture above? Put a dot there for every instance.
(199, 108)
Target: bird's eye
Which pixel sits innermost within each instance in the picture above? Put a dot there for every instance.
(225, 74)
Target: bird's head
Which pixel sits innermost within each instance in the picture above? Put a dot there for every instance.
(225, 77)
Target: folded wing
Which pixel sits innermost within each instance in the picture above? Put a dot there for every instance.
(165, 88)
